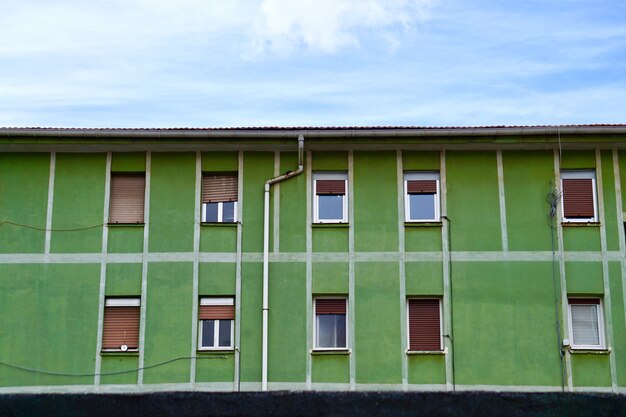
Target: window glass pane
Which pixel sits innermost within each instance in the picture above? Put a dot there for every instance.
(330, 207)
(210, 212)
(228, 212)
(208, 333)
(331, 330)
(422, 206)
(585, 325)
(224, 333)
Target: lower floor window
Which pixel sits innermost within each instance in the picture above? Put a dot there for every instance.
(216, 317)
(222, 212)
(330, 323)
(424, 324)
(120, 331)
(586, 323)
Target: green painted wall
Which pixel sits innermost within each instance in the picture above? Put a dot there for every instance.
(24, 201)
(473, 204)
(123, 279)
(251, 322)
(330, 278)
(78, 202)
(293, 206)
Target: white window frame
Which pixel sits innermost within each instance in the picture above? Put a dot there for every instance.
(315, 325)
(330, 176)
(408, 324)
(581, 174)
(220, 214)
(412, 176)
(600, 317)
(208, 301)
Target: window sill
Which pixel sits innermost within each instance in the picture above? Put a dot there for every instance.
(580, 224)
(337, 351)
(224, 351)
(423, 224)
(323, 225)
(219, 224)
(126, 224)
(589, 351)
(426, 352)
(119, 353)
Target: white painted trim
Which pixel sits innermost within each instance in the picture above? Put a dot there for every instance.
(103, 268)
(215, 301)
(620, 221)
(239, 260)
(196, 259)
(122, 302)
(144, 269)
(607, 320)
(446, 258)
(276, 196)
(351, 273)
(401, 190)
(50, 203)
(503, 226)
(309, 269)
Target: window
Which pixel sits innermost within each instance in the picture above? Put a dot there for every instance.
(579, 196)
(121, 324)
(425, 324)
(219, 198)
(215, 327)
(330, 323)
(586, 323)
(421, 196)
(127, 198)
(330, 204)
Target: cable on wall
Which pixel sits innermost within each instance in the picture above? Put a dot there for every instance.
(43, 229)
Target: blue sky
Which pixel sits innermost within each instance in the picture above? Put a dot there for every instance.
(209, 63)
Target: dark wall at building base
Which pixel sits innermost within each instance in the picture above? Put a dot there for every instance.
(313, 404)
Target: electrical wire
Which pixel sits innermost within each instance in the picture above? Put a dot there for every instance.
(42, 371)
(2, 223)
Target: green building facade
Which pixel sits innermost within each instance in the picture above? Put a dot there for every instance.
(500, 256)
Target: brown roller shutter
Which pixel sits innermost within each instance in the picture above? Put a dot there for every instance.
(330, 187)
(424, 325)
(127, 198)
(219, 188)
(121, 327)
(330, 306)
(421, 187)
(595, 301)
(578, 197)
(216, 312)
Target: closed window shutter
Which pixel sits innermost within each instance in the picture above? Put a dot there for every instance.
(421, 187)
(585, 326)
(578, 197)
(127, 198)
(215, 312)
(330, 306)
(219, 188)
(424, 325)
(326, 187)
(121, 327)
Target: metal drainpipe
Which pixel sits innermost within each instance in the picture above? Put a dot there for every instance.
(266, 245)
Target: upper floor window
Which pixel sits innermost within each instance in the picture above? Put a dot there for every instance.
(330, 190)
(120, 331)
(219, 198)
(215, 327)
(586, 323)
(127, 198)
(330, 323)
(579, 196)
(421, 196)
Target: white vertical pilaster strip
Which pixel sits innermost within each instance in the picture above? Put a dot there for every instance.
(309, 269)
(402, 270)
(447, 292)
(276, 217)
(608, 317)
(103, 268)
(505, 238)
(196, 256)
(563, 280)
(237, 367)
(620, 220)
(144, 270)
(48, 237)
(351, 285)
